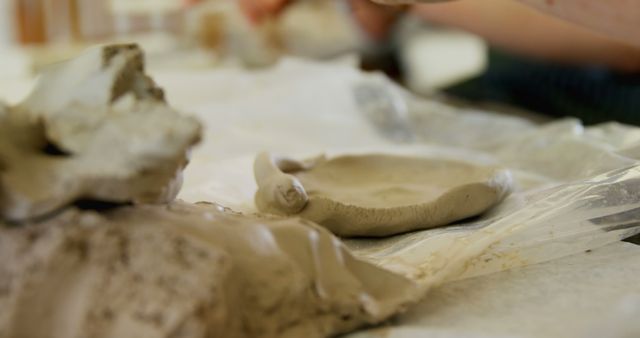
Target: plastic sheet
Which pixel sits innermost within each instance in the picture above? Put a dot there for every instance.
(577, 212)
(528, 228)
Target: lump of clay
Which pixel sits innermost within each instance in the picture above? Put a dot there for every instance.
(377, 195)
(95, 127)
(186, 271)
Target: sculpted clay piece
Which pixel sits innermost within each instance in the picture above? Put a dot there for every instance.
(377, 195)
(95, 127)
(186, 271)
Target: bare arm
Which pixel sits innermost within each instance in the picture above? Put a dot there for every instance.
(619, 19)
(510, 25)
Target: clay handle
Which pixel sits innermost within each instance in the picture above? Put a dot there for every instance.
(278, 192)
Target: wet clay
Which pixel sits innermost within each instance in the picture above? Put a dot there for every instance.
(377, 195)
(95, 127)
(186, 271)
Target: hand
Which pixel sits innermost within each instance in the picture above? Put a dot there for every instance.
(258, 10)
(376, 20)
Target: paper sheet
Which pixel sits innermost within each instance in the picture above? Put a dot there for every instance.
(588, 295)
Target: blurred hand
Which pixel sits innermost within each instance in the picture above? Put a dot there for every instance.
(375, 20)
(258, 10)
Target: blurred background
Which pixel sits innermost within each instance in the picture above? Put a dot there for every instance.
(493, 53)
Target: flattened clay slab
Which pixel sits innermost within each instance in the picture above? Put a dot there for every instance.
(377, 195)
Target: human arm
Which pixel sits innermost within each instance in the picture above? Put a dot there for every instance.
(510, 25)
(619, 19)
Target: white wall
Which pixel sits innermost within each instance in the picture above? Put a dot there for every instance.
(7, 23)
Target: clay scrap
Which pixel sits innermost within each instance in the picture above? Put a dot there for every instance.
(187, 271)
(95, 127)
(377, 195)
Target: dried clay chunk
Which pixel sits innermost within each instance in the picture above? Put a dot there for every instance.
(95, 127)
(187, 271)
(377, 195)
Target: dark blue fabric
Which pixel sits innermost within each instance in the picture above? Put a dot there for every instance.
(592, 94)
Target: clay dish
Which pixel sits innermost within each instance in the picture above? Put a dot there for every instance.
(378, 195)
